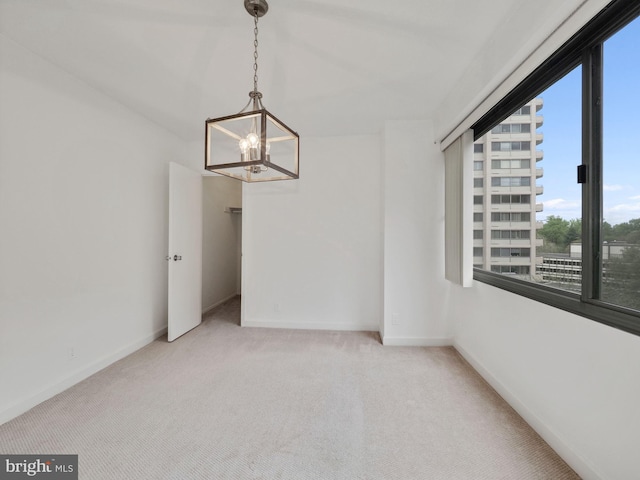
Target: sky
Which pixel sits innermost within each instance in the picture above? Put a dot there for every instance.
(562, 135)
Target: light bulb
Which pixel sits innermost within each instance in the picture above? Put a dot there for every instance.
(253, 139)
(267, 149)
(244, 145)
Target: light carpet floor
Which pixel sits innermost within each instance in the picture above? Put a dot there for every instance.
(224, 402)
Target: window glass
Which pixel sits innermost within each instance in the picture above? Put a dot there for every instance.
(546, 217)
(510, 216)
(621, 169)
(510, 234)
(526, 110)
(511, 128)
(510, 163)
(510, 181)
(584, 239)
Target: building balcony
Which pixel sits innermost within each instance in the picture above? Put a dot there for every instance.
(510, 261)
(539, 225)
(539, 138)
(539, 172)
(511, 242)
(511, 137)
(513, 207)
(539, 190)
(512, 190)
(539, 207)
(539, 121)
(539, 155)
(510, 225)
(511, 172)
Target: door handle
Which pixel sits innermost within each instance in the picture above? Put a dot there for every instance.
(177, 257)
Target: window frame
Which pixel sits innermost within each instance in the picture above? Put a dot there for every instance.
(584, 48)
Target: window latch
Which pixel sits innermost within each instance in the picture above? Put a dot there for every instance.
(582, 174)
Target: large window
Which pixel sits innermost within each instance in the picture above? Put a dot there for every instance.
(510, 181)
(509, 199)
(510, 217)
(511, 163)
(621, 169)
(510, 252)
(512, 128)
(523, 111)
(577, 241)
(510, 146)
(510, 234)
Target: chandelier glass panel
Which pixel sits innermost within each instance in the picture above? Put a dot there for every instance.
(252, 145)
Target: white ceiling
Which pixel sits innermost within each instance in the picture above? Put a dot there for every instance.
(326, 67)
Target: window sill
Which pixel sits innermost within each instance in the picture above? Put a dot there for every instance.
(617, 317)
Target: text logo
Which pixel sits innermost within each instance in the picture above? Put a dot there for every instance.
(50, 467)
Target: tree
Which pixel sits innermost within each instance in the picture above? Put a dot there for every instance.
(558, 233)
(622, 232)
(607, 231)
(574, 231)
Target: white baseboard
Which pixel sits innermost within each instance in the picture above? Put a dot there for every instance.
(28, 403)
(211, 307)
(561, 447)
(348, 326)
(416, 341)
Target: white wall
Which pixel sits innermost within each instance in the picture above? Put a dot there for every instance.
(574, 380)
(577, 382)
(83, 208)
(221, 238)
(415, 291)
(312, 248)
(491, 76)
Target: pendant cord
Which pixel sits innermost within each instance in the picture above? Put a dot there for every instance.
(255, 50)
(255, 97)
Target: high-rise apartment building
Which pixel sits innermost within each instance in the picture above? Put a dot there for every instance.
(505, 192)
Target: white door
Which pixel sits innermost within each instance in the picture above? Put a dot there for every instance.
(185, 250)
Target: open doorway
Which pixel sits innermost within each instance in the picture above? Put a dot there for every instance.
(221, 240)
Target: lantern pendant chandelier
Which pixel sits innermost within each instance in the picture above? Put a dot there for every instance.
(253, 145)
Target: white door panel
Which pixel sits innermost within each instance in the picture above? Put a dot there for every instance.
(185, 250)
